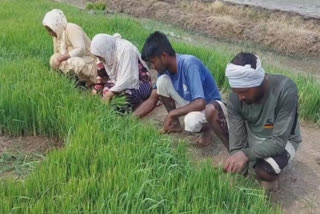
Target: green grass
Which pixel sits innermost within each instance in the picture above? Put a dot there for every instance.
(96, 6)
(18, 164)
(110, 164)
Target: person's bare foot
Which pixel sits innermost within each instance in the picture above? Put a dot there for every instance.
(205, 137)
(204, 140)
(171, 130)
(270, 186)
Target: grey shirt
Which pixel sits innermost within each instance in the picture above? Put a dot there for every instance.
(274, 118)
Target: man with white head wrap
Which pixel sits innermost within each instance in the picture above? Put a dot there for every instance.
(263, 119)
(71, 48)
(126, 70)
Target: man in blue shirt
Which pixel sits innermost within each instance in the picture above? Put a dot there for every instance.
(185, 86)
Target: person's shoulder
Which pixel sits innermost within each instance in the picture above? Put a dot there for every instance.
(126, 45)
(126, 49)
(188, 59)
(123, 45)
(282, 82)
(233, 98)
(73, 27)
(233, 102)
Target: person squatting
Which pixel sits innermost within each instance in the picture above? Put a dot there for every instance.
(257, 124)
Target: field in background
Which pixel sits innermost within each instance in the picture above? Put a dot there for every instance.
(110, 164)
(284, 32)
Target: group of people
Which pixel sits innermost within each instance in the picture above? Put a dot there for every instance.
(258, 124)
(108, 64)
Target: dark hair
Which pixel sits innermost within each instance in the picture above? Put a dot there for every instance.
(245, 59)
(155, 45)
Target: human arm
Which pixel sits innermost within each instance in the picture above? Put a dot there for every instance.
(237, 137)
(63, 57)
(127, 74)
(147, 106)
(76, 37)
(285, 115)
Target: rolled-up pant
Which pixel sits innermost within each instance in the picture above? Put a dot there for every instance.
(84, 68)
(273, 165)
(194, 120)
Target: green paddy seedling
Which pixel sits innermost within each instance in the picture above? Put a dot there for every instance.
(110, 163)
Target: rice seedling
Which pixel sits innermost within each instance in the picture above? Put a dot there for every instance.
(110, 164)
(96, 6)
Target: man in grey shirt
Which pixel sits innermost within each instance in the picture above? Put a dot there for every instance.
(262, 119)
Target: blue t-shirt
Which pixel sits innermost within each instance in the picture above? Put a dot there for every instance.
(194, 80)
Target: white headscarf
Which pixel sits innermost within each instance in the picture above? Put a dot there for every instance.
(244, 76)
(121, 59)
(57, 22)
(104, 45)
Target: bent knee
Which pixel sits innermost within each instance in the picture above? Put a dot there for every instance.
(265, 172)
(163, 85)
(210, 112)
(162, 81)
(193, 121)
(52, 61)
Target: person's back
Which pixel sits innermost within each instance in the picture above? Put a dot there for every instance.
(76, 37)
(185, 79)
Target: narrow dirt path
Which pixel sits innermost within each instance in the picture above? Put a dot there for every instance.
(20, 155)
(299, 191)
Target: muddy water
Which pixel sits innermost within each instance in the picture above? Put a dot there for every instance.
(304, 7)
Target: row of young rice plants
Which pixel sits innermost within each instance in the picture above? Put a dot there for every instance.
(110, 164)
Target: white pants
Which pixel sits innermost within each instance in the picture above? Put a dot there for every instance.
(193, 121)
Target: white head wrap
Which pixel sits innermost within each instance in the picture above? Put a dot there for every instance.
(244, 76)
(104, 45)
(56, 21)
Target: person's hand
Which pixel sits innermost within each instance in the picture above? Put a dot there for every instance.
(57, 63)
(107, 97)
(236, 163)
(62, 58)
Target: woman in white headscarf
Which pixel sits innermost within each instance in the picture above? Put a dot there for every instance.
(127, 72)
(71, 48)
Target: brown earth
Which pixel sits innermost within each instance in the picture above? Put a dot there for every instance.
(20, 155)
(284, 32)
(299, 183)
(299, 191)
